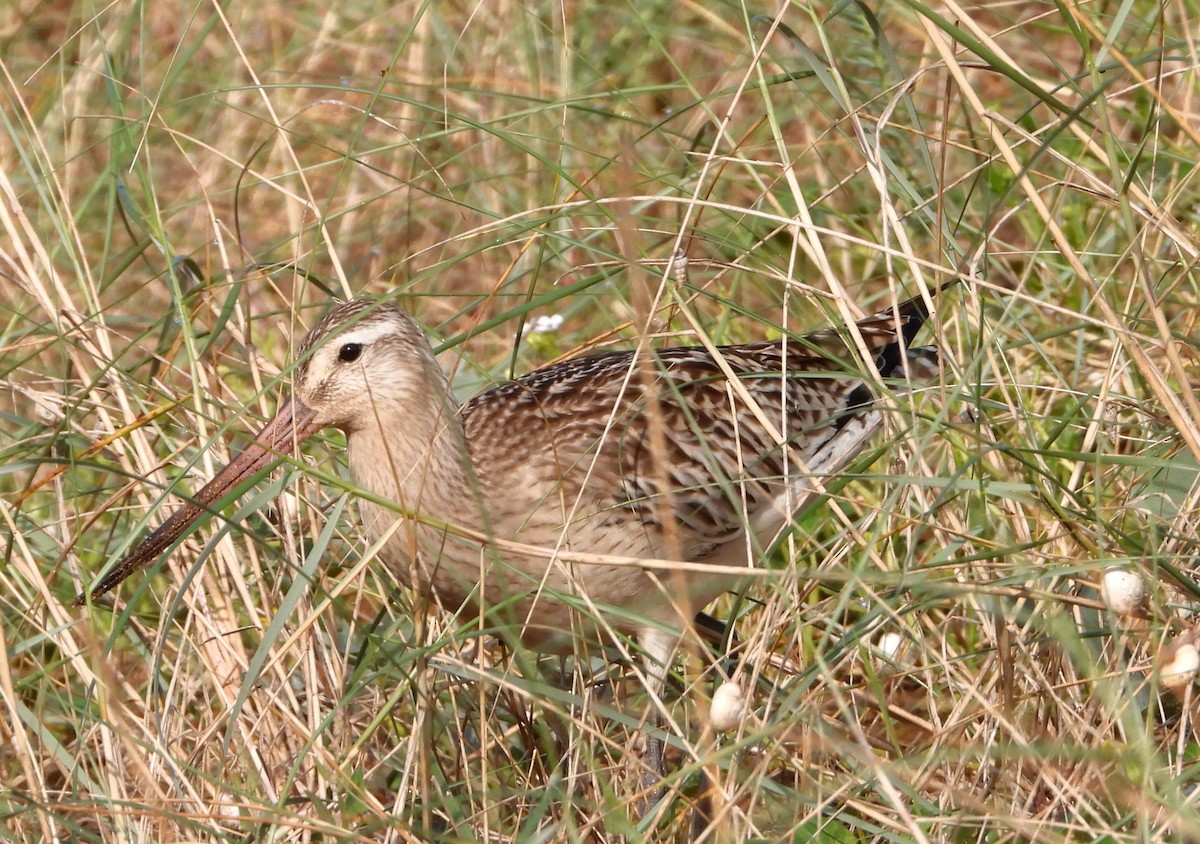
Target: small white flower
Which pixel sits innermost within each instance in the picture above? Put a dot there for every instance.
(545, 324)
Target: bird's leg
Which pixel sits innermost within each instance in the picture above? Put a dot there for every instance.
(658, 647)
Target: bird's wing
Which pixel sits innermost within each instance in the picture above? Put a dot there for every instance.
(669, 435)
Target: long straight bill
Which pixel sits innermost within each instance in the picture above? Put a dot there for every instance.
(292, 424)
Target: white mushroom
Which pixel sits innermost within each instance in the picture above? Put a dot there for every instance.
(1123, 590)
(728, 707)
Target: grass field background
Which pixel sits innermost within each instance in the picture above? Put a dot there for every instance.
(185, 186)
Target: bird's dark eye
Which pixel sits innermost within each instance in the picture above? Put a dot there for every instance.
(349, 352)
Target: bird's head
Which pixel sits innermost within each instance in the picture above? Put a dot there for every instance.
(362, 359)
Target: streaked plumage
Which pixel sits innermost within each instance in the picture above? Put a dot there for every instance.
(496, 497)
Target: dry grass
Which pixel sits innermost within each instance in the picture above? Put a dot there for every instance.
(490, 163)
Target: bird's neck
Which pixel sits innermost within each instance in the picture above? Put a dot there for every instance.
(411, 450)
